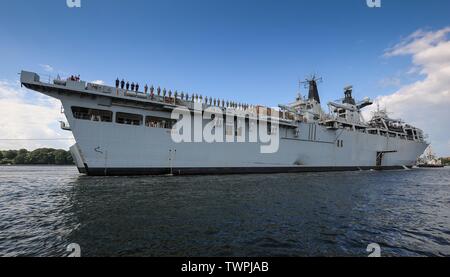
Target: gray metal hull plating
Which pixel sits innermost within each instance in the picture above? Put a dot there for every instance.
(115, 149)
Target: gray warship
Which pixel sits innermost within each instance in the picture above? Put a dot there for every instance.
(119, 131)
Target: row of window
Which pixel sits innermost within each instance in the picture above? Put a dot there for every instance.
(393, 135)
(121, 118)
(92, 114)
(150, 121)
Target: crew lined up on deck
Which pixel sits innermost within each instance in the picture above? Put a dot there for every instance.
(126, 85)
(74, 78)
(185, 97)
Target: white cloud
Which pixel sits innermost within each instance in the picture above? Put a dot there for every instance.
(425, 103)
(47, 67)
(390, 82)
(98, 82)
(26, 116)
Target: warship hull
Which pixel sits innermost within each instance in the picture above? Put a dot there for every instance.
(110, 148)
(125, 150)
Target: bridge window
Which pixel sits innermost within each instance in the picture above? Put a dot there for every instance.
(159, 122)
(92, 114)
(129, 119)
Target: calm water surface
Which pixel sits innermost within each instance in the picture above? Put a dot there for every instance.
(43, 209)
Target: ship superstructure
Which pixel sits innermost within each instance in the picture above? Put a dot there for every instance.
(119, 131)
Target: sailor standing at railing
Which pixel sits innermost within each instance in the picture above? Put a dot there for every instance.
(137, 87)
(128, 85)
(117, 86)
(122, 84)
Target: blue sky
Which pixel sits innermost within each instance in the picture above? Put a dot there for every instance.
(250, 51)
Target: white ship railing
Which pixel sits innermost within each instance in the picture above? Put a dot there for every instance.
(170, 102)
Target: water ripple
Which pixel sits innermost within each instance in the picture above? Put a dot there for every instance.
(43, 209)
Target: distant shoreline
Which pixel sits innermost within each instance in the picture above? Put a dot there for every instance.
(41, 156)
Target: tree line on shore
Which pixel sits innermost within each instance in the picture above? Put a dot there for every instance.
(43, 156)
(445, 161)
(49, 156)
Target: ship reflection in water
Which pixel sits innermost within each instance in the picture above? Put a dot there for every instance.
(43, 209)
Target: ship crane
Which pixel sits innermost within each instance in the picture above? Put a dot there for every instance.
(347, 110)
(364, 103)
(347, 107)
